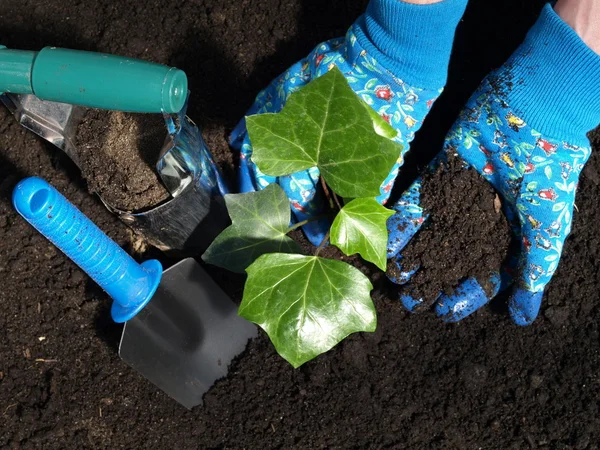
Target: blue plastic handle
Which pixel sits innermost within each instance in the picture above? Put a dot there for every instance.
(131, 285)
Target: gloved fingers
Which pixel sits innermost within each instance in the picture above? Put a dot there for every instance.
(236, 138)
(524, 306)
(250, 178)
(315, 231)
(544, 228)
(533, 273)
(307, 202)
(414, 303)
(467, 298)
(246, 178)
(397, 274)
(407, 220)
(387, 185)
(306, 197)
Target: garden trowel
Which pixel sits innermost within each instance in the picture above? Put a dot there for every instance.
(181, 330)
(47, 92)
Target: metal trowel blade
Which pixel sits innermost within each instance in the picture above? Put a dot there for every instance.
(186, 336)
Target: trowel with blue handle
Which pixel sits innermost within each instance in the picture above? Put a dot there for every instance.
(181, 330)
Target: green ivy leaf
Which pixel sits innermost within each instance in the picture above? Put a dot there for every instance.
(381, 127)
(360, 227)
(260, 221)
(325, 124)
(367, 99)
(307, 304)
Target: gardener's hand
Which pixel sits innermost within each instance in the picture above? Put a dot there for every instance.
(526, 134)
(395, 57)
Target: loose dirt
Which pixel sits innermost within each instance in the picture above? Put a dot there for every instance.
(466, 235)
(118, 153)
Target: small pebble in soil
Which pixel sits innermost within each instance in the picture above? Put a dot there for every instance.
(466, 235)
(117, 155)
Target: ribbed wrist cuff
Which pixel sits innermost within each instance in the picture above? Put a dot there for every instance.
(552, 81)
(412, 41)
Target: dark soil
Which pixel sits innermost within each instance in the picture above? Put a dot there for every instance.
(415, 383)
(466, 235)
(118, 153)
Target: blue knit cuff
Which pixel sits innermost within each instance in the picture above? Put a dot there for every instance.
(552, 81)
(412, 41)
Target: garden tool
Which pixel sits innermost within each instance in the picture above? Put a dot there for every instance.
(42, 90)
(181, 330)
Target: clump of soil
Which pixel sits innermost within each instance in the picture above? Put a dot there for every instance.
(117, 154)
(466, 235)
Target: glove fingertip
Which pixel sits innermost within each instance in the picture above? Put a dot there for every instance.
(316, 231)
(467, 298)
(397, 274)
(410, 303)
(245, 177)
(524, 306)
(416, 304)
(400, 231)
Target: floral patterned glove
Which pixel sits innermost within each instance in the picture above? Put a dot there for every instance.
(525, 133)
(395, 57)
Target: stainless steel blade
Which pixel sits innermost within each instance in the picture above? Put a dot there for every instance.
(185, 224)
(185, 338)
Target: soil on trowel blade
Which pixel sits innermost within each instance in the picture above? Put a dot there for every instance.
(466, 234)
(118, 153)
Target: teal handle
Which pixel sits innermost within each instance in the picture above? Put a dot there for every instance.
(95, 80)
(15, 70)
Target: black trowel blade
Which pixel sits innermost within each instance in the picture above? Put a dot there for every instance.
(186, 336)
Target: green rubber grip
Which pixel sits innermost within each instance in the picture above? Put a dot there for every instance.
(95, 80)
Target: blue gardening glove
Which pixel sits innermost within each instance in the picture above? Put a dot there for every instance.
(395, 57)
(525, 132)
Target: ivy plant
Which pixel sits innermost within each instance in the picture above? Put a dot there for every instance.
(306, 303)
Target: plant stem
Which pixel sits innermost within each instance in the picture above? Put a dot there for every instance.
(337, 200)
(322, 244)
(327, 193)
(304, 222)
(300, 224)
